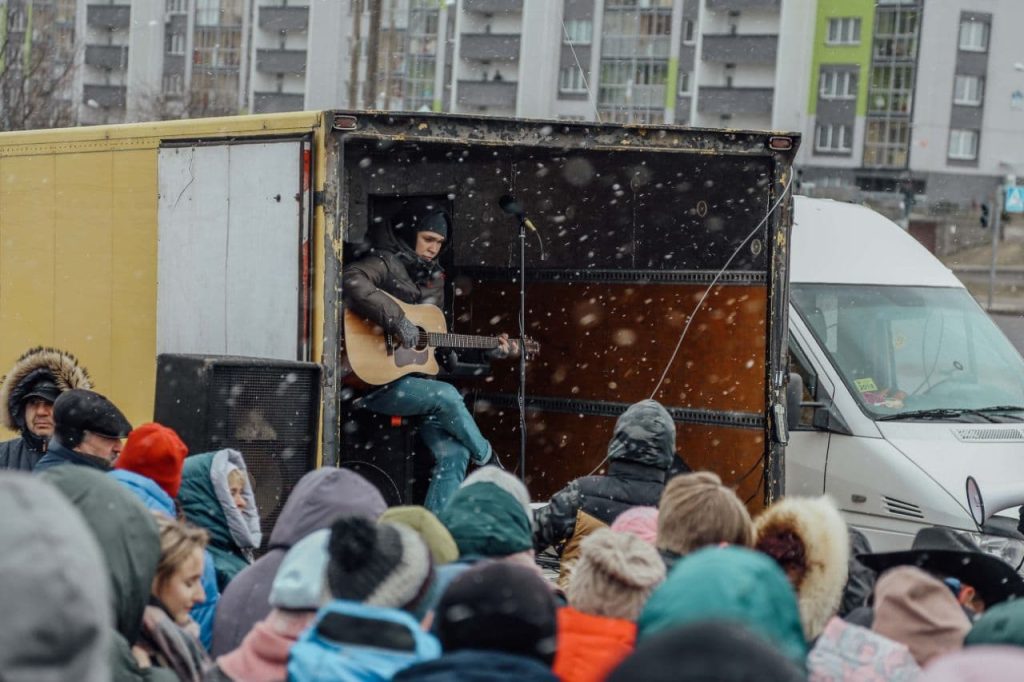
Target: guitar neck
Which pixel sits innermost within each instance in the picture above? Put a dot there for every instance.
(461, 341)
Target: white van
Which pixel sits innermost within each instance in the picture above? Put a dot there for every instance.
(908, 388)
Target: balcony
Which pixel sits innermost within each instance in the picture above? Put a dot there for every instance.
(109, 17)
(655, 47)
(281, 61)
(487, 94)
(492, 6)
(111, 57)
(276, 102)
(490, 47)
(740, 5)
(284, 18)
(715, 100)
(104, 96)
(740, 49)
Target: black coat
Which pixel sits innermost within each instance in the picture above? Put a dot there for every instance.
(641, 451)
(18, 454)
(469, 665)
(397, 272)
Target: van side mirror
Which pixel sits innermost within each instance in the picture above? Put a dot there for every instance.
(826, 417)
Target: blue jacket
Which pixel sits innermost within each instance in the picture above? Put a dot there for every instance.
(471, 665)
(353, 642)
(156, 499)
(58, 455)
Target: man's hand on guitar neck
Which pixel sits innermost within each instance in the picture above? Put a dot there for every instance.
(507, 348)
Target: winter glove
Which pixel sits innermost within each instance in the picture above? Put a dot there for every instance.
(408, 333)
(511, 349)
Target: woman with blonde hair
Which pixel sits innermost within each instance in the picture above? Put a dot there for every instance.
(169, 637)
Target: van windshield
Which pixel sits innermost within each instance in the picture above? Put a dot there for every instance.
(908, 352)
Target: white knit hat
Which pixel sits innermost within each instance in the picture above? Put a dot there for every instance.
(615, 574)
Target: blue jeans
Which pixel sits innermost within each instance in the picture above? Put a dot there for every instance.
(447, 428)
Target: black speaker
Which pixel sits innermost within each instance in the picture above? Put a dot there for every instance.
(381, 448)
(266, 409)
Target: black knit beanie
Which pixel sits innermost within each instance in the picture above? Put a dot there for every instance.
(498, 606)
(381, 564)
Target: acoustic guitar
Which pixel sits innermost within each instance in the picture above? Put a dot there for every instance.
(377, 358)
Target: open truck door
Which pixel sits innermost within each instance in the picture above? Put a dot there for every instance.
(646, 232)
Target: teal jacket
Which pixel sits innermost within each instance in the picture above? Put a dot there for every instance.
(206, 502)
(731, 584)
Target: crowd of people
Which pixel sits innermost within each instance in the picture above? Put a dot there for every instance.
(135, 560)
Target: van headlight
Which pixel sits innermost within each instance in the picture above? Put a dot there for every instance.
(1010, 550)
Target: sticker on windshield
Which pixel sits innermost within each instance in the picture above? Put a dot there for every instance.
(865, 385)
(899, 341)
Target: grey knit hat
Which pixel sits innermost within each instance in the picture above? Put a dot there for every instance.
(615, 574)
(384, 564)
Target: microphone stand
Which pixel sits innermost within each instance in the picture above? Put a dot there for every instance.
(522, 348)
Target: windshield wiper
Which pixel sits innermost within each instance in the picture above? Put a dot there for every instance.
(1001, 408)
(937, 414)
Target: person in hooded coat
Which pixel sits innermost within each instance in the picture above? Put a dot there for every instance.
(318, 499)
(729, 583)
(32, 386)
(406, 266)
(642, 449)
(128, 537)
(808, 538)
(55, 596)
(206, 500)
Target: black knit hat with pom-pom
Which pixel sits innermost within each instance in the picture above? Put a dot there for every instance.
(379, 564)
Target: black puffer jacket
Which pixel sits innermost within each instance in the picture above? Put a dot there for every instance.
(393, 267)
(50, 365)
(641, 451)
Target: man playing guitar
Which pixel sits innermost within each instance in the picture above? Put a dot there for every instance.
(406, 267)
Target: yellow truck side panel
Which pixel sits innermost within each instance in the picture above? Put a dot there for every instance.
(78, 244)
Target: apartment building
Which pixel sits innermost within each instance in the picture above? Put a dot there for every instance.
(37, 63)
(920, 98)
(280, 39)
(101, 77)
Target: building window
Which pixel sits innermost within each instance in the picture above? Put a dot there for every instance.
(838, 84)
(578, 32)
(843, 31)
(176, 43)
(896, 32)
(973, 36)
(688, 38)
(177, 6)
(174, 84)
(886, 144)
(684, 82)
(570, 79)
(963, 144)
(834, 138)
(892, 89)
(968, 90)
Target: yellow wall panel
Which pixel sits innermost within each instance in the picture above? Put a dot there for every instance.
(82, 301)
(133, 283)
(26, 255)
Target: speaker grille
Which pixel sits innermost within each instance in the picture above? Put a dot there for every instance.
(265, 413)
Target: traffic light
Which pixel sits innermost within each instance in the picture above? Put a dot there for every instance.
(985, 217)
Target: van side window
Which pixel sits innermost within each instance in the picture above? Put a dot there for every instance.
(798, 363)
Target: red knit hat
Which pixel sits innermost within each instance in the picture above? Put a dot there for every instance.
(156, 452)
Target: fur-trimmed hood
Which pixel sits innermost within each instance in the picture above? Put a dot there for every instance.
(808, 533)
(52, 364)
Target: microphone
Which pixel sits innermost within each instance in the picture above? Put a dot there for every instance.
(509, 205)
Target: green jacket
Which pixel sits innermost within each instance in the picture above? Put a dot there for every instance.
(731, 584)
(130, 542)
(206, 501)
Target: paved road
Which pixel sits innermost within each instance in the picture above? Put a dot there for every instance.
(1013, 327)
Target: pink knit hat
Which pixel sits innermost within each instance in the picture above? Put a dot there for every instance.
(639, 521)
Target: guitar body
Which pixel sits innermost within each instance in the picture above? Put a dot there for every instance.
(368, 354)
